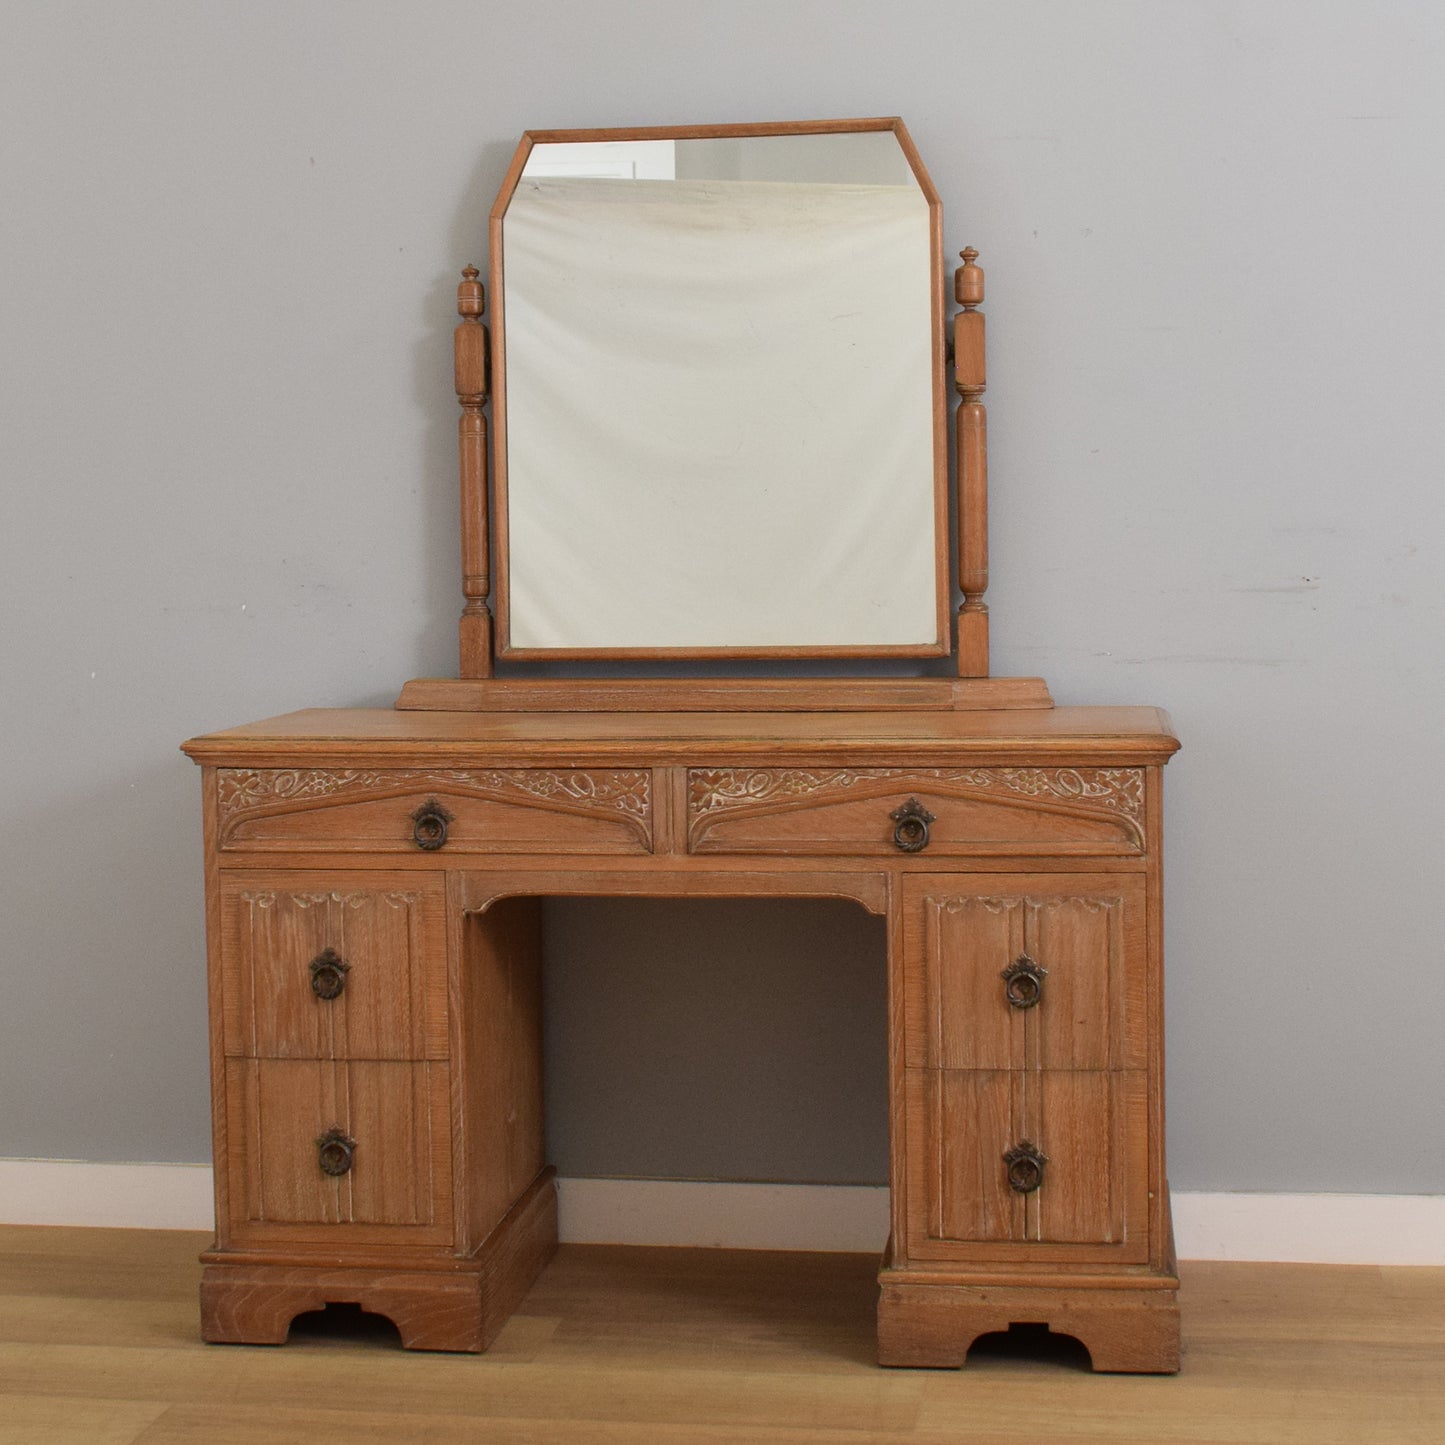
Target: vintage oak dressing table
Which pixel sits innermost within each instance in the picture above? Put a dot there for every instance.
(717, 380)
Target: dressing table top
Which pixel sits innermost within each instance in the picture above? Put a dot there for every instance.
(329, 735)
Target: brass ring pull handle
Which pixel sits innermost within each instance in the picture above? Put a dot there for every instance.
(429, 825)
(328, 974)
(1023, 982)
(910, 826)
(1025, 1168)
(334, 1153)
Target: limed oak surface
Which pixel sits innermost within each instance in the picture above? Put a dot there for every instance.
(1042, 839)
(322, 734)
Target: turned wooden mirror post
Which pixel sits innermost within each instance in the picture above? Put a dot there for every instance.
(471, 349)
(972, 432)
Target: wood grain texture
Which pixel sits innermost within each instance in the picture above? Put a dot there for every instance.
(1088, 931)
(749, 694)
(1091, 1013)
(968, 351)
(973, 1118)
(1043, 841)
(934, 1325)
(970, 379)
(501, 1033)
(1093, 1128)
(398, 1190)
(458, 1304)
(388, 931)
(515, 1253)
(1092, 1209)
(217, 965)
(98, 1346)
(961, 1018)
(1161, 1226)
(256, 1304)
(976, 811)
(371, 737)
(492, 810)
(868, 887)
(1068, 1077)
(471, 361)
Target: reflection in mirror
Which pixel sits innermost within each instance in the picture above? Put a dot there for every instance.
(720, 399)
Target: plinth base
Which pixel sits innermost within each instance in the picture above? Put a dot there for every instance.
(1132, 1330)
(436, 1302)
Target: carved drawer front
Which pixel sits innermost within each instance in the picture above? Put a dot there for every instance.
(334, 966)
(904, 812)
(1045, 972)
(1026, 1053)
(1007, 1159)
(328, 1150)
(423, 811)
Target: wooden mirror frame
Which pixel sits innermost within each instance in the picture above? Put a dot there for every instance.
(926, 486)
(477, 356)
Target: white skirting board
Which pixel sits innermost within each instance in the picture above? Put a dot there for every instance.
(1303, 1228)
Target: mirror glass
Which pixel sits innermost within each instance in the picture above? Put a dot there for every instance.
(719, 398)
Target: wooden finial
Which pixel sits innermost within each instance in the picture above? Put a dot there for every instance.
(471, 294)
(968, 349)
(968, 280)
(471, 337)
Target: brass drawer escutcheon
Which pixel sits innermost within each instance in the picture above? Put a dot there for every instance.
(328, 974)
(429, 826)
(1025, 1166)
(910, 826)
(1023, 982)
(334, 1153)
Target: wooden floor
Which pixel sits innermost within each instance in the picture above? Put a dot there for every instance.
(98, 1345)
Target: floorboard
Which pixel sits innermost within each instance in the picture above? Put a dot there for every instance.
(98, 1343)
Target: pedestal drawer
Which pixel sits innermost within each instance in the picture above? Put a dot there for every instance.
(322, 1150)
(1051, 1163)
(325, 966)
(1020, 971)
(413, 810)
(916, 811)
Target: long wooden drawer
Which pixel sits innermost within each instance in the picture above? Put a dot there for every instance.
(411, 810)
(916, 811)
(327, 965)
(323, 1151)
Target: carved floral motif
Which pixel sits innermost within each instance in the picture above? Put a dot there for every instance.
(267, 898)
(625, 791)
(714, 791)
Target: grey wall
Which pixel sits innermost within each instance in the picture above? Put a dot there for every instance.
(717, 1039)
(228, 244)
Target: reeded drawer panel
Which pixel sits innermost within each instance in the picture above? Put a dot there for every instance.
(1004, 1163)
(325, 1151)
(916, 811)
(325, 966)
(1019, 971)
(412, 810)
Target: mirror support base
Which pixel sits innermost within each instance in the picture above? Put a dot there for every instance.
(718, 694)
